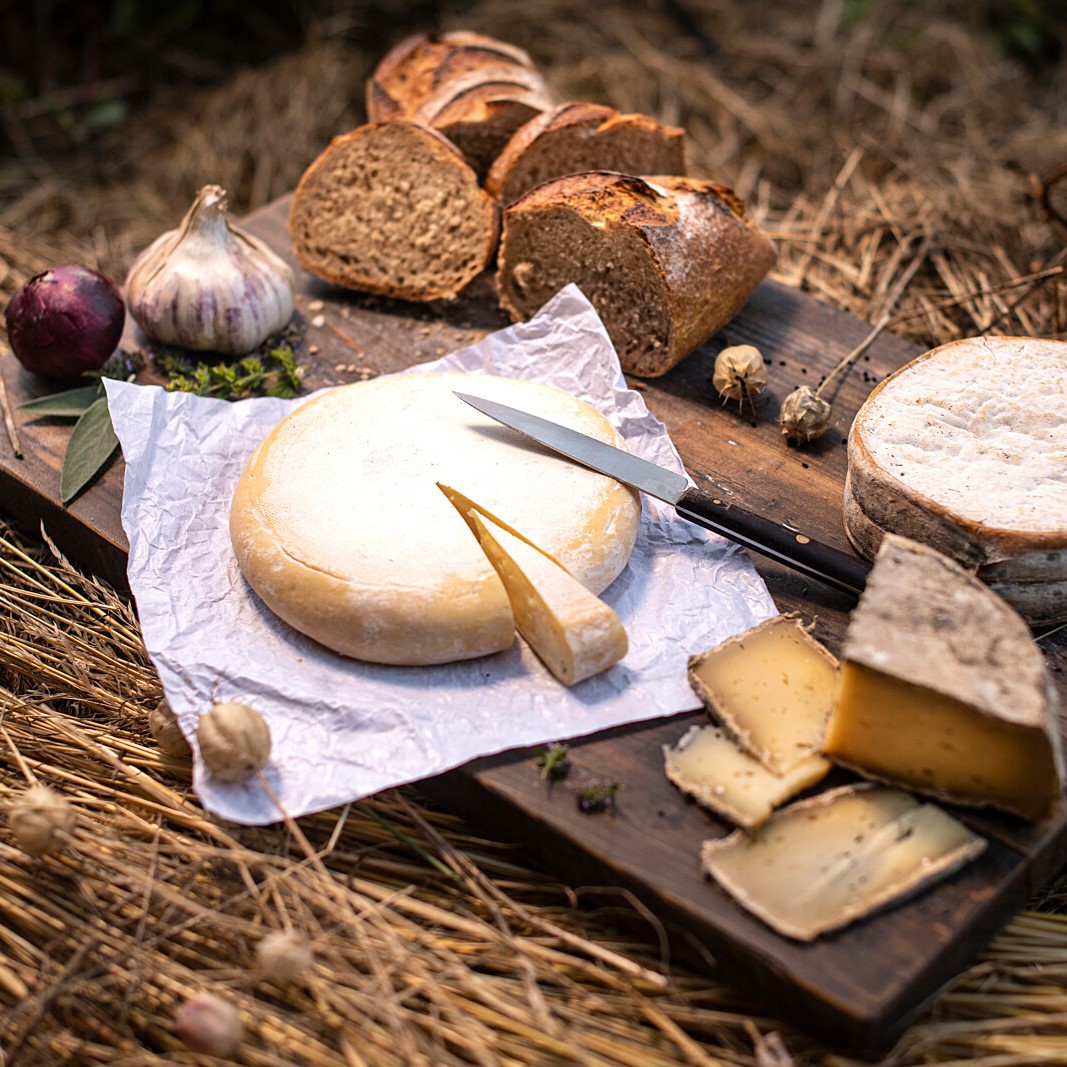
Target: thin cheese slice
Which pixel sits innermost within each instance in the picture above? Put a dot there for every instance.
(823, 863)
(708, 765)
(943, 689)
(771, 687)
(574, 633)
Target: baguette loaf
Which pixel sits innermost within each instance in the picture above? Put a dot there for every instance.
(577, 136)
(666, 261)
(965, 449)
(392, 208)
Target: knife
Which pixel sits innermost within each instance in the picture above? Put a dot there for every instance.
(793, 549)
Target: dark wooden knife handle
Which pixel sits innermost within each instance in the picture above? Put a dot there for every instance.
(792, 548)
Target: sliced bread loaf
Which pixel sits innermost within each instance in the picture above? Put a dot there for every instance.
(965, 449)
(418, 65)
(578, 136)
(666, 261)
(392, 208)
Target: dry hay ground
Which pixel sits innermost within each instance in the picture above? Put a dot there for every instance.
(879, 143)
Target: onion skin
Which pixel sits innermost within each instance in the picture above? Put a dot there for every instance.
(65, 321)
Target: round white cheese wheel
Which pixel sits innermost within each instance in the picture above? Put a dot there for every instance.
(965, 449)
(339, 525)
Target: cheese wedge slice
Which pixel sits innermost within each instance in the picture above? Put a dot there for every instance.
(771, 687)
(708, 765)
(943, 689)
(825, 862)
(572, 631)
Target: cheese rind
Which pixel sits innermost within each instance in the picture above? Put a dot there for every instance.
(339, 527)
(965, 449)
(824, 862)
(708, 765)
(572, 631)
(943, 689)
(771, 687)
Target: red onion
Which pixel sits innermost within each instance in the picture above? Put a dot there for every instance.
(65, 321)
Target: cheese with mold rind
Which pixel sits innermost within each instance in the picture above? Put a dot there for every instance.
(771, 687)
(822, 863)
(943, 689)
(572, 631)
(708, 765)
(964, 449)
(339, 527)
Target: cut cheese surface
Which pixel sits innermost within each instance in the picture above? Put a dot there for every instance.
(708, 765)
(965, 449)
(574, 633)
(825, 862)
(943, 689)
(771, 687)
(338, 524)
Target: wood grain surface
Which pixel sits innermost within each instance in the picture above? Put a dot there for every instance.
(857, 988)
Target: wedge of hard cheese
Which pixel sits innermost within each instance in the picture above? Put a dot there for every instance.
(965, 449)
(708, 765)
(572, 631)
(825, 862)
(771, 687)
(943, 689)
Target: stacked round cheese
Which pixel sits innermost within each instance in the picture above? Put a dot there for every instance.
(965, 449)
(340, 526)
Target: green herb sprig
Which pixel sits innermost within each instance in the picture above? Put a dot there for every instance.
(273, 373)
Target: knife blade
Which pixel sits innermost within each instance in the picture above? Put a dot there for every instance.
(794, 549)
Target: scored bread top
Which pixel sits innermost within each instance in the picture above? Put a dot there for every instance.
(418, 65)
(392, 208)
(577, 136)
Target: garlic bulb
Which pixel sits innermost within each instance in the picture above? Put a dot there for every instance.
(41, 819)
(804, 415)
(207, 1023)
(208, 285)
(740, 374)
(234, 741)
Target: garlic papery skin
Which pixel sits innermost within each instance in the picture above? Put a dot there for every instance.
(208, 285)
(207, 1023)
(234, 741)
(282, 955)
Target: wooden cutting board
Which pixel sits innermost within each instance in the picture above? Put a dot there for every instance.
(855, 989)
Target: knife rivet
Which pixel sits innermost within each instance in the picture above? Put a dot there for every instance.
(802, 540)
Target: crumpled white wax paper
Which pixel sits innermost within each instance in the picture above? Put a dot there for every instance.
(344, 729)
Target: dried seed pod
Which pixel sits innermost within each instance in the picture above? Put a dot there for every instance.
(207, 1023)
(234, 741)
(41, 819)
(282, 955)
(805, 415)
(740, 374)
(163, 726)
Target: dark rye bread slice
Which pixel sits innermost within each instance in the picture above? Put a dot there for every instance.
(666, 260)
(578, 136)
(419, 65)
(392, 208)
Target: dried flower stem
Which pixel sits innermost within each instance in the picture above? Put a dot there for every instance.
(9, 422)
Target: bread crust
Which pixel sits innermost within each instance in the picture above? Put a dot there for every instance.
(419, 64)
(707, 257)
(661, 147)
(327, 198)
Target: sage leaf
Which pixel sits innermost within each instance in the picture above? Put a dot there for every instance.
(69, 404)
(92, 443)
